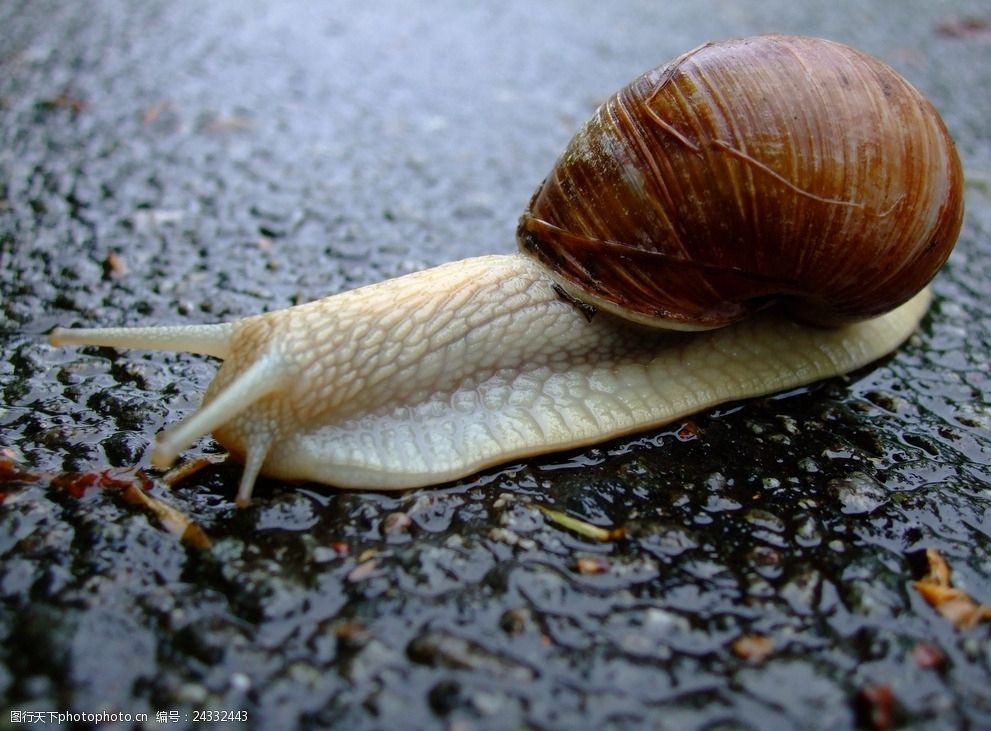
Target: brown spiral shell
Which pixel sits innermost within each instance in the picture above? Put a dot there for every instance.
(750, 171)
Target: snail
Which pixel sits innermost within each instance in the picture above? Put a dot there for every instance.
(756, 215)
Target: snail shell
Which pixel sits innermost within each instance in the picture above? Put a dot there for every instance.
(750, 171)
(746, 172)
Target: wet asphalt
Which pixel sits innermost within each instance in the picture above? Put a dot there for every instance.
(190, 162)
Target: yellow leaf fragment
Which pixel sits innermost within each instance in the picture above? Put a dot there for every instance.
(174, 521)
(954, 604)
(582, 528)
(191, 466)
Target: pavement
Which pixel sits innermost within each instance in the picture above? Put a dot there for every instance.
(165, 162)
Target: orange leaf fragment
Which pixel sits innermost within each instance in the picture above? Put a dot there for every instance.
(190, 467)
(689, 431)
(155, 111)
(963, 27)
(755, 648)
(10, 472)
(114, 265)
(954, 604)
(877, 705)
(928, 656)
(363, 570)
(591, 565)
(131, 485)
(175, 522)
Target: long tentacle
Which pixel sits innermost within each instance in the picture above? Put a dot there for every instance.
(212, 340)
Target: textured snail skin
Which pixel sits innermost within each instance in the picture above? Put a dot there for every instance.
(438, 374)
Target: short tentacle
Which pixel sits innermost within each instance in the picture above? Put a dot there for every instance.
(264, 376)
(253, 461)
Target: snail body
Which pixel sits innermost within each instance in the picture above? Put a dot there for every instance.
(438, 374)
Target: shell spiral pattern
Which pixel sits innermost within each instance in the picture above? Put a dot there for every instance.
(768, 169)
